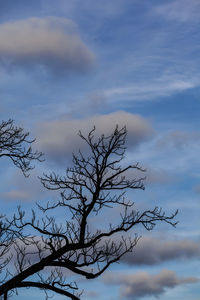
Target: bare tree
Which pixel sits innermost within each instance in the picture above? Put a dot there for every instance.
(95, 183)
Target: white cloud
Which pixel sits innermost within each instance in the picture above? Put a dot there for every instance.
(58, 139)
(141, 284)
(50, 42)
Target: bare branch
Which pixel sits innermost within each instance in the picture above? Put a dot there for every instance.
(16, 145)
(44, 286)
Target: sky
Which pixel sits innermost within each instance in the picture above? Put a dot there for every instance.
(70, 65)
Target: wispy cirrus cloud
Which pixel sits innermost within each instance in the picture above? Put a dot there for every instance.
(150, 90)
(50, 42)
(161, 60)
(141, 284)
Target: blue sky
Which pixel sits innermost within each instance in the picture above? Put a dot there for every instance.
(67, 65)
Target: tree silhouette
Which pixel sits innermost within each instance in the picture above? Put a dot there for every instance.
(37, 252)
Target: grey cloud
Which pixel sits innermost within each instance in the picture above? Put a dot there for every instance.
(151, 251)
(58, 139)
(50, 42)
(141, 284)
